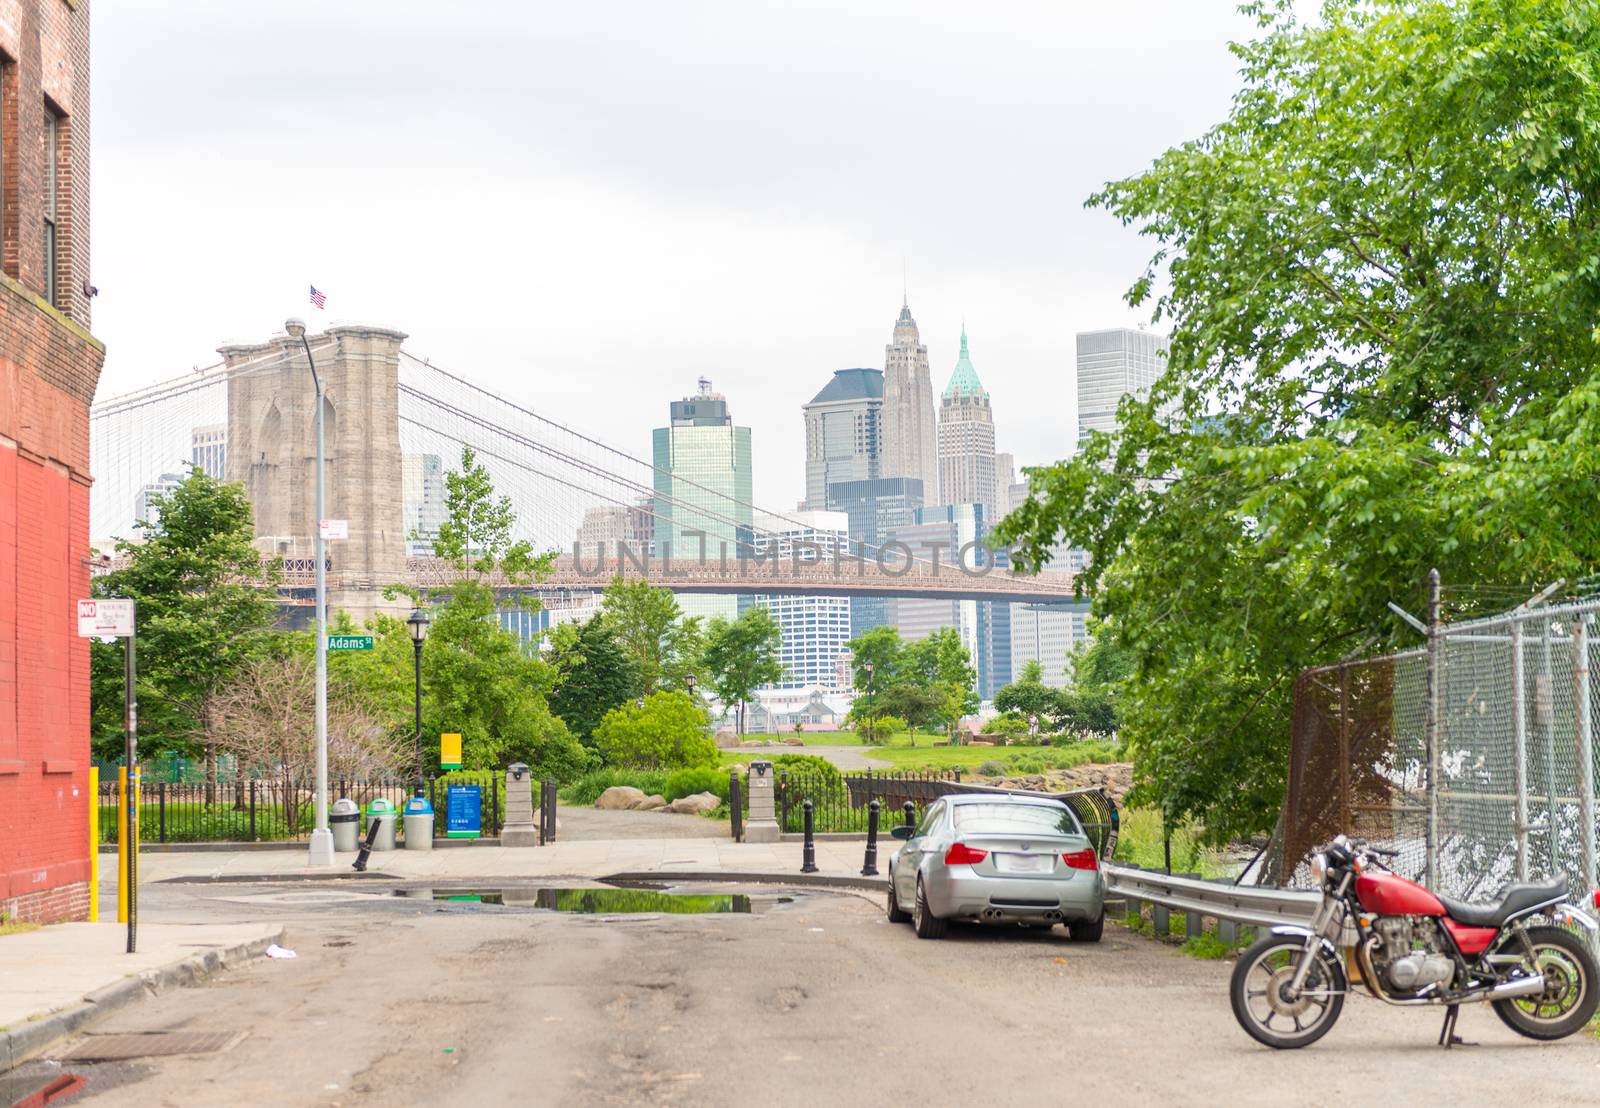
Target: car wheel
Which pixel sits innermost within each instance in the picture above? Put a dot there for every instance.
(897, 914)
(1087, 931)
(928, 925)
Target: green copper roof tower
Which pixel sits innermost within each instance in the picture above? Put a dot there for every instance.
(964, 379)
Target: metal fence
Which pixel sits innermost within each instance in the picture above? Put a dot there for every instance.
(1474, 756)
(835, 809)
(265, 810)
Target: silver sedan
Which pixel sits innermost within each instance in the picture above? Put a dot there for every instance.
(997, 859)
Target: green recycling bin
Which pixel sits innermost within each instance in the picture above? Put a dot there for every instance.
(381, 811)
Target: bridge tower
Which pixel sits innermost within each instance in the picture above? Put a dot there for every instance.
(272, 451)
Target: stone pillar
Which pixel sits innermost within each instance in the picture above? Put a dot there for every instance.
(763, 824)
(520, 828)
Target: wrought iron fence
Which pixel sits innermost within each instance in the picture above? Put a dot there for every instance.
(1474, 756)
(835, 809)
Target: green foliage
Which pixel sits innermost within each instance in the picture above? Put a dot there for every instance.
(205, 604)
(808, 765)
(667, 732)
(742, 655)
(587, 789)
(593, 675)
(940, 663)
(1140, 842)
(476, 536)
(700, 779)
(664, 644)
(992, 768)
(1381, 274)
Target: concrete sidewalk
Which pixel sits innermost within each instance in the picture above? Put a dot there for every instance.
(56, 979)
(590, 859)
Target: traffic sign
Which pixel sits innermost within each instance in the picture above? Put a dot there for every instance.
(105, 619)
(349, 642)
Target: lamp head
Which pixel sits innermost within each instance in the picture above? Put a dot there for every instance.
(295, 327)
(417, 623)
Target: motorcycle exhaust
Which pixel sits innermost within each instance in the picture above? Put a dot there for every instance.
(1522, 986)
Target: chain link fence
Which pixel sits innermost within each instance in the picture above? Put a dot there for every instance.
(1474, 756)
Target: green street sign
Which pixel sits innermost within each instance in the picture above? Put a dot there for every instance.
(349, 642)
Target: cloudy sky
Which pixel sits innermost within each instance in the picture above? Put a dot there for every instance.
(586, 206)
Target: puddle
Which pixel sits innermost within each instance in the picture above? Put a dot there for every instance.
(599, 901)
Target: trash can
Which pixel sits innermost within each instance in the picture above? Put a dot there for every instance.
(382, 811)
(419, 823)
(345, 819)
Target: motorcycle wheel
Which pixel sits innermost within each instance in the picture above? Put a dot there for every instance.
(1571, 990)
(1269, 1017)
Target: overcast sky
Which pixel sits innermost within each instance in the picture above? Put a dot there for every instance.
(586, 206)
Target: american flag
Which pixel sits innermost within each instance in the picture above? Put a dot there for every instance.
(320, 299)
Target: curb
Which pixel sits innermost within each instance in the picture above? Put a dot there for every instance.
(281, 844)
(24, 1042)
(657, 877)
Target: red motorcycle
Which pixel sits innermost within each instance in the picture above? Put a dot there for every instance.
(1413, 947)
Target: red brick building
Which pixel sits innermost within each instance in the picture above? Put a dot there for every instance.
(49, 365)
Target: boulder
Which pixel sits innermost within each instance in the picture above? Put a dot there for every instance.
(619, 797)
(794, 742)
(653, 803)
(695, 804)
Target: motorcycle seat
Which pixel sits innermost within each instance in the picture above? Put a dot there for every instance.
(1513, 901)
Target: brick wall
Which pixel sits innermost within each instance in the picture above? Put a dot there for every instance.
(49, 367)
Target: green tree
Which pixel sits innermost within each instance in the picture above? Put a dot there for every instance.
(1380, 276)
(741, 655)
(1028, 695)
(917, 705)
(664, 644)
(478, 679)
(594, 675)
(940, 663)
(205, 604)
(666, 732)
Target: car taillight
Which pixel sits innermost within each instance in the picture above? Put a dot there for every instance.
(1597, 898)
(1080, 859)
(960, 854)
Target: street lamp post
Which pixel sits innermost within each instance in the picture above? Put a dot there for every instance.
(321, 835)
(418, 625)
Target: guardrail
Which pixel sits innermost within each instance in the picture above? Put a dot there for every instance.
(1195, 897)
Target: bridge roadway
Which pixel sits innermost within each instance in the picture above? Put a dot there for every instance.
(779, 577)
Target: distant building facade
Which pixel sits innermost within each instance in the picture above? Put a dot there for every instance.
(966, 439)
(844, 433)
(145, 509)
(423, 490)
(1113, 364)
(815, 628)
(910, 439)
(208, 449)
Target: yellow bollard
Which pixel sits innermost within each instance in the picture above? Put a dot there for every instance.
(122, 844)
(94, 844)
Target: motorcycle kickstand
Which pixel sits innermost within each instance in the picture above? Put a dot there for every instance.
(1448, 1037)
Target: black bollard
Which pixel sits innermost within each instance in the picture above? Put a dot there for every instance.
(808, 862)
(735, 806)
(910, 810)
(360, 864)
(869, 868)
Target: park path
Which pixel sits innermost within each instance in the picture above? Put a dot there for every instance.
(594, 824)
(843, 757)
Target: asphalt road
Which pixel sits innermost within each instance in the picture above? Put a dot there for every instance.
(818, 1001)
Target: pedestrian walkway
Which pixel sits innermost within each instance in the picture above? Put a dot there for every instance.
(60, 977)
(595, 858)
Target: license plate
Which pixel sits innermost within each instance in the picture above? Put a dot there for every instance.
(1023, 863)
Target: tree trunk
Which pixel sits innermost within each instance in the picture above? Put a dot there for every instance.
(211, 774)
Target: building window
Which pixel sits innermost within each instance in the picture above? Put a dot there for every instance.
(52, 191)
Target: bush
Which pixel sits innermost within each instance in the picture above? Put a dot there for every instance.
(809, 766)
(587, 789)
(700, 779)
(667, 732)
(992, 768)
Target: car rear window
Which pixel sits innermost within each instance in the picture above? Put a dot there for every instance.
(1022, 819)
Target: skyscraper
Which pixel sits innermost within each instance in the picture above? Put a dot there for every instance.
(422, 490)
(844, 433)
(703, 489)
(966, 439)
(910, 442)
(144, 506)
(208, 449)
(815, 628)
(1113, 364)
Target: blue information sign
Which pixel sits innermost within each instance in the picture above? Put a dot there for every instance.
(463, 811)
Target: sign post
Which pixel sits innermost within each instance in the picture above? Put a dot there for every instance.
(114, 618)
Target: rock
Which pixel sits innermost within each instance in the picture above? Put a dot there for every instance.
(727, 740)
(695, 804)
(794, 742)
(654, 803)
(619, 797)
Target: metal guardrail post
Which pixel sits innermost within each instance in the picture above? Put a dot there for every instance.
(1193, 922)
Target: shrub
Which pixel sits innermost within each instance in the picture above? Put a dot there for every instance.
(587, 789)
(992, 768)
(808, 766)
(700, 779)
(667, 732)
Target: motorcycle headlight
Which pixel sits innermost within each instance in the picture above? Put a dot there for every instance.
(1319, 868)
